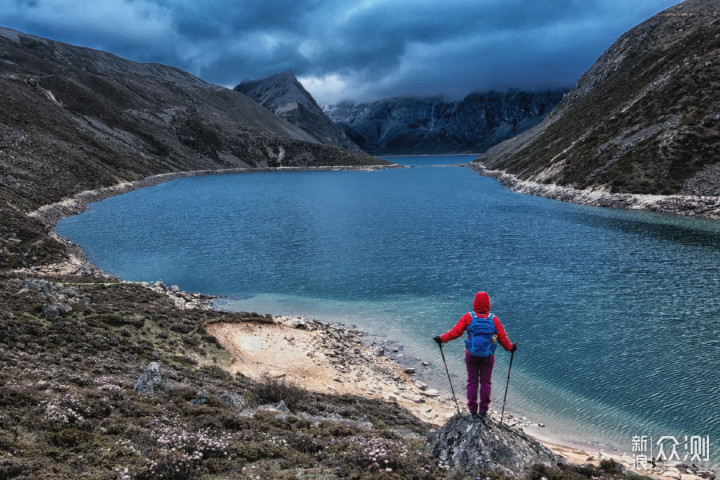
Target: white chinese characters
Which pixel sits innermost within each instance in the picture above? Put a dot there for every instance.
(693, 449)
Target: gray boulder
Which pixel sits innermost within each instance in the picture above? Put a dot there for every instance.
(200, 399)
(362, 422)
(43, 285)
(235, 400)
(55, 310)
(280, 410)
(468, 445)
(152, 381)
(297, 323)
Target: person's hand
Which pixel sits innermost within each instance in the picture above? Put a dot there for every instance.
(438, 340)
(514, 347)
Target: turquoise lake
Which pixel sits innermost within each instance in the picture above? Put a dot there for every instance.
(616, 313)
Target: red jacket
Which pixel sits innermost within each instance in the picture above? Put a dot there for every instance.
(481, 306)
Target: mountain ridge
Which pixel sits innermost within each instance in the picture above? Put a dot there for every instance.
(283, 95)
(408, 125)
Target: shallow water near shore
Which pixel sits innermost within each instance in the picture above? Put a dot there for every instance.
(617, 313)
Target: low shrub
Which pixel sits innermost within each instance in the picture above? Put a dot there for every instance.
(68, 438)
(272, 390)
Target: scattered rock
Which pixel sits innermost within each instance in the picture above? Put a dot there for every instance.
(235, 400)
(297, 323)
(42, 285)
(406, 433)
(420, 385)
(200, 399)
(11, 181)
(362, 422)
(410, 370)
(55, 310)
(152, 380)
(280, 407)
(413, 398)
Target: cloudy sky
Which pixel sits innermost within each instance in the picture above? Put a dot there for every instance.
(349, 50)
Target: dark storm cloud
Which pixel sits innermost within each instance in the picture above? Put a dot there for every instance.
(357, 49)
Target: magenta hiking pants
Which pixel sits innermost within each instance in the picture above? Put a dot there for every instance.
(479, 371)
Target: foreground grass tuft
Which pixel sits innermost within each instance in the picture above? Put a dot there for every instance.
(273, 390)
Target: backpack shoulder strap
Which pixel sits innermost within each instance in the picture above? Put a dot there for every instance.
(491, 317)
(473, 316)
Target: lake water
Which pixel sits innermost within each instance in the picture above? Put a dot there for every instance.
(616, 313)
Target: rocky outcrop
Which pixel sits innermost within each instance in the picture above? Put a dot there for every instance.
(284, 95)
(433, 125)
(469, 446)
(56, 298)
(200, 399)
(55, 310)
(643, 120)
(152, 380)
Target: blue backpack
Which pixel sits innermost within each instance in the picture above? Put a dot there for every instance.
(482, 336)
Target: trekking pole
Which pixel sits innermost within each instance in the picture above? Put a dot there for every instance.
(512, 354)
(448, 374)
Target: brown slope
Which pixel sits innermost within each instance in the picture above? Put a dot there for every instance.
(644, 119)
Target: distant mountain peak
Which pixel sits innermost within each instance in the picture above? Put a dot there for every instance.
(276, 91)
(282, 94)
(407, 125)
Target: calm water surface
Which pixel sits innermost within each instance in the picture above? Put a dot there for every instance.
(617, 313)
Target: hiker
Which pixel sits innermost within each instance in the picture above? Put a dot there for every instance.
(484, 331)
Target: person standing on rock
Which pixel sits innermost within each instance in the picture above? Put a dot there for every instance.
(484, 332)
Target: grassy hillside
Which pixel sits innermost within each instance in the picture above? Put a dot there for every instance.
(644, 119)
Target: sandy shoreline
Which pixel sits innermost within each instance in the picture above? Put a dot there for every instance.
(303, 354)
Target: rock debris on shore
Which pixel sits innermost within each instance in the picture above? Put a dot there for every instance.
(354, 361)
(702, 206)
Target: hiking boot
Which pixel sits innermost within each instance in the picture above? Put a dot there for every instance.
(481, 417)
